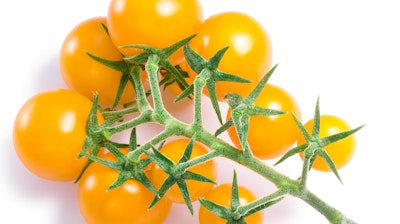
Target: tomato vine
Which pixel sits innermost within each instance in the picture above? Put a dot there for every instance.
(164, 171)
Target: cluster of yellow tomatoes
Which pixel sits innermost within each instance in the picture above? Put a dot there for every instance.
(50, 129)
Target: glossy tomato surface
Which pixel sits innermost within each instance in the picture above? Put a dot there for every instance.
(249, 54)
(342, 151)
(271, 136)
(86, 75)
(158, 23)
(49, 131)
(126, 204)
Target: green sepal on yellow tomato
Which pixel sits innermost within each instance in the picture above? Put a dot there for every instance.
(249, 53)
(174, 150)
(49, 132)
(157, 23)
(81, 72)
(125, 204)
(222, 196)
(340, 152)
(270, 136)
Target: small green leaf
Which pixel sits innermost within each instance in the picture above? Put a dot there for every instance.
(317, 121)
(339, 136)
(196, 61)
(142, 178)
(138, 59)
(185, 194)
(114, 150)
(235, 201)
(167, 184)
(219, 210)
(292, 152)
(188, 150)
(261, 207)
(112, 165)
(303, 130)
(187, 92)
(121, 87)
(214, 60)
(122, 178)
(322, 152)
(105, 29)
(173, 48)
(174, 71)
(260, 111)
(260, 85)
(116, 65)
(162, 161)
(224, 127)
(211, 86)
(197, 177)
(221, 76)
(143, 47)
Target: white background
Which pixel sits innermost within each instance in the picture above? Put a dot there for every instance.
(346, 52)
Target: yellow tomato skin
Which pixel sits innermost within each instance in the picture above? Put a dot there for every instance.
(341, 152)
(174, 150)
(84, 74)
(49, 131)
(126, 204)
(222, 196)
(271, 136)
(158, 23)
(249, 54)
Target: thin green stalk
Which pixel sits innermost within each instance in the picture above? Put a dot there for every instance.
(162, 136)
(121, 112)
(142, 102)
(283, 182)
(144, 117)
(199, 84)
(309, 152)
(331, 214)
(152, 68)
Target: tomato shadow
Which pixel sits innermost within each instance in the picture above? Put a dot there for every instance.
(179, 213)
(48, 75)
(25, 186)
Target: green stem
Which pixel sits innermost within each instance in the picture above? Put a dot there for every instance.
(142, 102)
(283, 182)
(162, 136)
(309, 152)
(152, 71)
(333, 215)
(219, 147)
(144, 117)
(198, 90)
(121, 112)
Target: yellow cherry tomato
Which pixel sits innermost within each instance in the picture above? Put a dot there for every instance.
(271, 136)
(249, 54)
(222, 196)
(342, 151)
